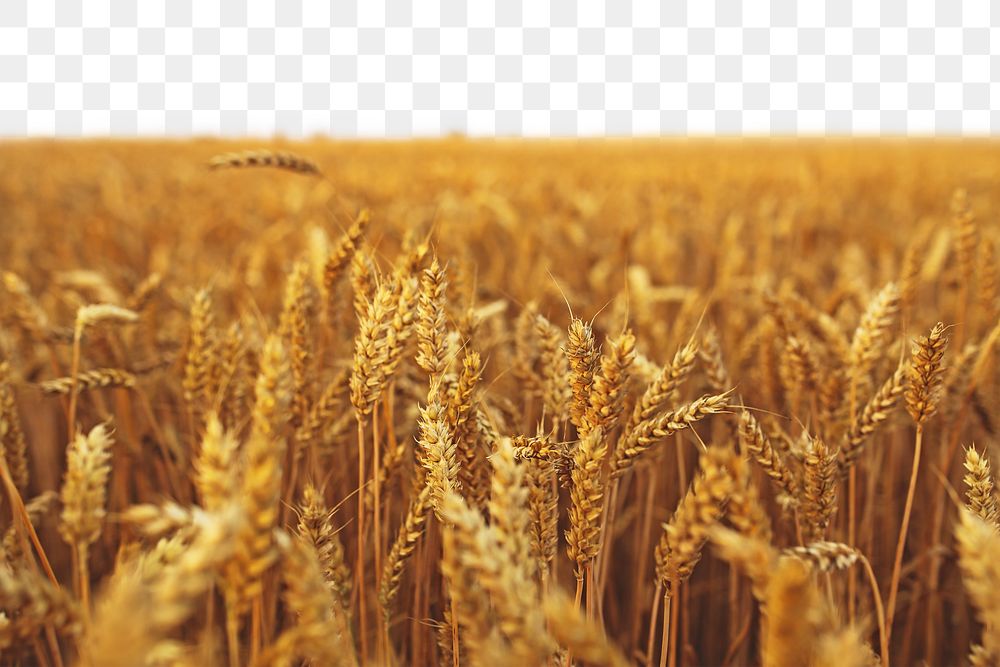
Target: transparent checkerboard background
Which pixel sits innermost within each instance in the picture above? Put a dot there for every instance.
(395, 68)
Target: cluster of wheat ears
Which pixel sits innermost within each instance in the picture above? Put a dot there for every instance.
(461, 404)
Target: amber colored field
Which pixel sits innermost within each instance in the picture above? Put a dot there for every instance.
(466, 403)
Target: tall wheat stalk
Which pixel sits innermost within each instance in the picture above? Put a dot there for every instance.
(922, 398)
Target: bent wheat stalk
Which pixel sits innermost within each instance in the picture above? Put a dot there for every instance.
(922, 398)
(265, 158)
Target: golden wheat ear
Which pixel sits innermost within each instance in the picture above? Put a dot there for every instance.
(265, 158)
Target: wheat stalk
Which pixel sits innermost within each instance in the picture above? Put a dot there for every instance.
(587, 501)
(979, 558)
(265, 158)
(819, 488)
(876, 411)
(315, 527)
(259, 489)
(873, 330)
(322, 634)
(607, 395)
(680, 545)
(98, 378)
(980, 492)
(761, 449)
(581, 637)
(84, 499)
(431, 323)
(12, 441)
(584, 358)
(201, 360)
(31, 603)
(922, 396)
(664, 386)
(340, 258)
(649, 432)
(543, 508)
(406, 541)
(924, 390)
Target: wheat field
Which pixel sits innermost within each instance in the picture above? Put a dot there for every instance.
(499, 403)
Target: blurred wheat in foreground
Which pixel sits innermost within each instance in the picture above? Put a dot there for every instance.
(458, 403)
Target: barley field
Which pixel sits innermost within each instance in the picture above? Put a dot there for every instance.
(499, 403)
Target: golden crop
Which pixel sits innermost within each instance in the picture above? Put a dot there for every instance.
(508, 403)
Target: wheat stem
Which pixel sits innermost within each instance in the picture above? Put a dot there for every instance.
(454, 634)
(74, 390)
(653, 615)
(666, 633)
(883, 635)
(380, 626)
(359, 563)
(233, 634)
(904, 527)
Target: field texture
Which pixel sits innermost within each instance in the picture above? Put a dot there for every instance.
(459, 403)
